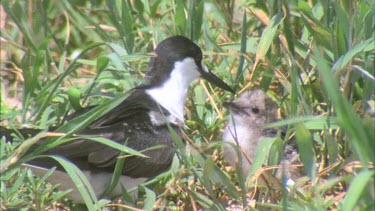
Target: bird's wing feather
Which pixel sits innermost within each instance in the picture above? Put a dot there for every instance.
(127, 123)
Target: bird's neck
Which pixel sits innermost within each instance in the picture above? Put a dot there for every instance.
(171, 94)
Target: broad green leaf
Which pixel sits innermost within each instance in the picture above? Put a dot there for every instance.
(251, 46)
(126, 196)
(332, 147)
(139, 6)
(60, 78)
(310, 122)
(74, 95)
(18, 183)
(240, 68)
(154, 7)
(79, 123)
(119, 50)
(150, 199)
(198, 20)
(47, 118)
(306, 150)
(17, 157)
(102, 63)
(199, 101)
(17, 14)
(343, 31)
(115, 145)
(203, 200)
(263, 149)
(344, 60)
(116, 61)
(81, 182)
(239, 169)
(127, 25)
(361, 138)
(320, 33)
(357, 187)
(180, 19)
(211, 171)
(365, 73)
(276, 152)
(267, 36)
(48, 173)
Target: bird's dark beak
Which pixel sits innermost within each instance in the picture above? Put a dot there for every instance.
(227, 104)
(231, 106)
(212, 78)
(234, 108)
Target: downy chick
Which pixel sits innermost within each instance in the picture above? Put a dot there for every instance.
(250, 113)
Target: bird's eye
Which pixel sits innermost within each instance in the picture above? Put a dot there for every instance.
(255, 110)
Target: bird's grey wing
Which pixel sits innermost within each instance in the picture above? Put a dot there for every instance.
(137, 103)
(127, 124)
(291, 157)
(158, 160)
(269, 132)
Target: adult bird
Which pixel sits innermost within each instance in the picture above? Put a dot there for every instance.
(141, 121)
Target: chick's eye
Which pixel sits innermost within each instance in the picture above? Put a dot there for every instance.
(255, 110)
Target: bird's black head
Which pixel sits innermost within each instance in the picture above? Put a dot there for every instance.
(177, 49)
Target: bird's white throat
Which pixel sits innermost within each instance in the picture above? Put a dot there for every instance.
(172, 93)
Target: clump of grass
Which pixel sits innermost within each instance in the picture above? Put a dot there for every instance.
(315, 59)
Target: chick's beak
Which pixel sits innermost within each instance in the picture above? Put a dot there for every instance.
(234, 108)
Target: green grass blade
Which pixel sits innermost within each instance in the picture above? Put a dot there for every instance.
(60, 79)
(241, 62)
(180, 19)
(81, 182)
(362, 138)
(320, 32)
(261, 155)
(343, 61)
(150, 199)
(306, 150)
(357, 188)
(267, 36)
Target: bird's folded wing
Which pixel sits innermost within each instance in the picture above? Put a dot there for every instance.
(127, 124)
